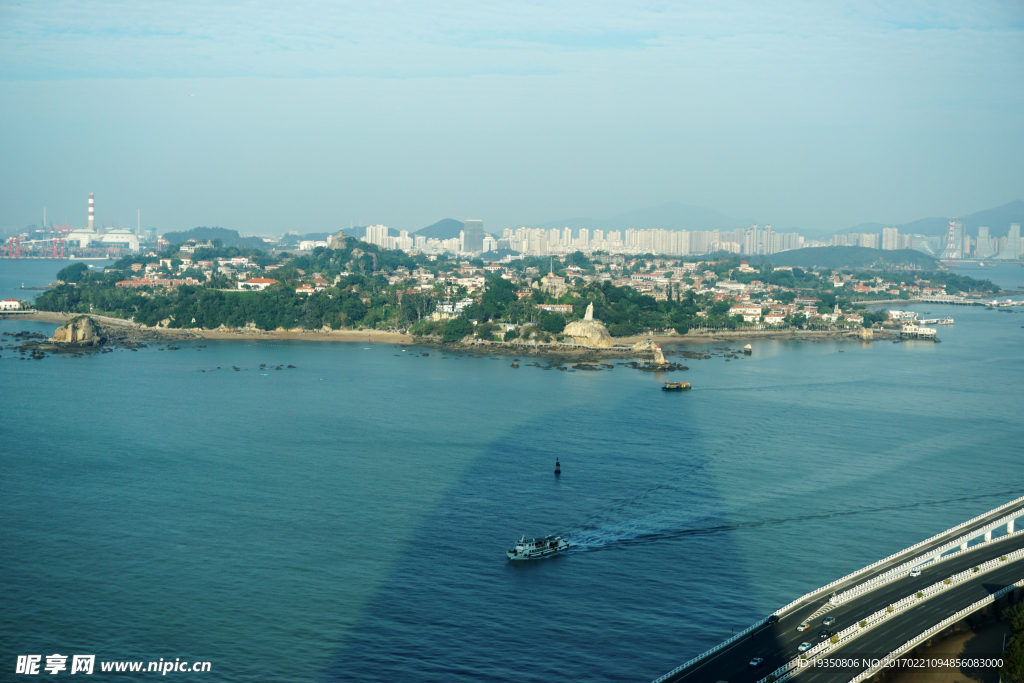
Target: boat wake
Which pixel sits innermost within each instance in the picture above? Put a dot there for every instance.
(650, 527)
(670, 525)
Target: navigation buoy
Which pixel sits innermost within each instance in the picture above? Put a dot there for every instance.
(558, 467)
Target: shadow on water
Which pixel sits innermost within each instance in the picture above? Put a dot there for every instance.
(628, 602)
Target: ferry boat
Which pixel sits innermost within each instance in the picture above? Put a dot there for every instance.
(676, 386)
(533, 548)
(938, 321)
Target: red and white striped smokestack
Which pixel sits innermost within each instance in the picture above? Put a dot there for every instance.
(91, 211)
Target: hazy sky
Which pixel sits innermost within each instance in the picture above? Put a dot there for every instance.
(268, 117)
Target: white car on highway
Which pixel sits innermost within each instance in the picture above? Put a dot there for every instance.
(803, 627)
(804, 647)
(916, 571)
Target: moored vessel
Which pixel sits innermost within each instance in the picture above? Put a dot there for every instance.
(536, 548)
(676, 386)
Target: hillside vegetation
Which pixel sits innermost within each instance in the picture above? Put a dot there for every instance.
(853, 257)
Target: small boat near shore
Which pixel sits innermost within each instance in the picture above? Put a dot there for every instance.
(676, 386)
(535, 549)
(937, 321)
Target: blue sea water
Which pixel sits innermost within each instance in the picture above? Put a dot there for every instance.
(345, 520)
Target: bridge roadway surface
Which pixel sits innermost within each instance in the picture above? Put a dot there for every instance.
(894, 632)
(778, 643)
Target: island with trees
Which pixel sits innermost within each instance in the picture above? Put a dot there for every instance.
(352, 285)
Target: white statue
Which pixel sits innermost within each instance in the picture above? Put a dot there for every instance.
(590, 311)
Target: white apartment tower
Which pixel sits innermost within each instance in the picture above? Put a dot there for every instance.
(890, 238)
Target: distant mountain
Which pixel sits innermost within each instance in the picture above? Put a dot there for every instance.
(230, 238)
(851, 257)
(444, 229)
(997, 221)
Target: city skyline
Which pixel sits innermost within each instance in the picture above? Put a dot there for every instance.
(50, 218)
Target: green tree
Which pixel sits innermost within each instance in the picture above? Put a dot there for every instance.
(354, 309)
(456, 329)
(1013, 659)
(73, 273)
(1015, 617)
(552, 322)
(499, 294)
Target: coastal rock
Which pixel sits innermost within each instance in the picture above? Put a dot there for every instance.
(337, 241)
(80, 330)
(589, 333)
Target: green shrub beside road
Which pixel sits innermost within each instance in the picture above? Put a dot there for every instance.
(1013, 655)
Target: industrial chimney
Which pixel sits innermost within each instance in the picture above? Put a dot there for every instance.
(91, 211)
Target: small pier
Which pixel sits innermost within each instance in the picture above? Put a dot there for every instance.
(916, 332)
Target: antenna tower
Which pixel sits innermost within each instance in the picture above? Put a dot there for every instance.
(950, 243)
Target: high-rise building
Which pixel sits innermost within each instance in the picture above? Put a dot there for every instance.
(377, 234)
(890, 238)
(1011, 250)
(750, 240)
(584, 240)
(984, 248)
(474, 235)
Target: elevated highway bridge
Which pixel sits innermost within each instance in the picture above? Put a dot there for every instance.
(878, 609)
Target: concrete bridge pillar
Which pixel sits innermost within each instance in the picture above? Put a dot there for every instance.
(1009, 526)
(963, 546)
(988, 536)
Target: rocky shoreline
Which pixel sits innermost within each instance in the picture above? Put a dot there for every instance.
(106, 334)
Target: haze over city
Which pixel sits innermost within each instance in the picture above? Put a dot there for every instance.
(264, 119)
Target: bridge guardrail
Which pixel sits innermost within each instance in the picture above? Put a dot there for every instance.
(792, 667)
(896, 554)
(925, 635)
(716, 648)
(900, 570)
(805, 597)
